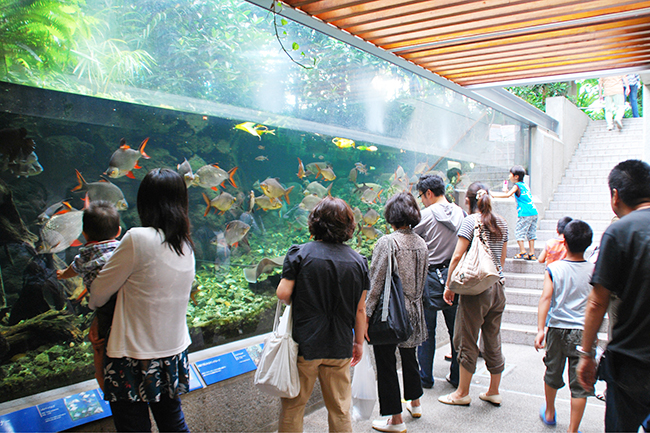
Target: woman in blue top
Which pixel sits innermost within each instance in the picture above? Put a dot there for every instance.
(526, 212)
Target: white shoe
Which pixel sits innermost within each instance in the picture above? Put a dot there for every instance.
(415, 411)
(383, 425)
(494, 399)
(619, 124)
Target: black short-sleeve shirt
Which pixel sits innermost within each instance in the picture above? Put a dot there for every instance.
(623, 268)
(329, 281)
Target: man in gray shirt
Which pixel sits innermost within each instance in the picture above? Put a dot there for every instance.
(438, 227)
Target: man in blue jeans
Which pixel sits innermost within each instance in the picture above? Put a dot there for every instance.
(438, 227)
(623, 269)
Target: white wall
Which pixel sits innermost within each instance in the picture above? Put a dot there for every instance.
(551, 153)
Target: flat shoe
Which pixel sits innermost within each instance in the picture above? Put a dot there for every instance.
(531, 257)
(383, 425)
(447, 399)
(494, 399)
(415, 411)
(542, 416)
(520, 256)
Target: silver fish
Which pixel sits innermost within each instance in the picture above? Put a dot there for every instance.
(211, 176)
(235, 232)
(125, 159)
(185, 170)
(60, 232)
(102, 190)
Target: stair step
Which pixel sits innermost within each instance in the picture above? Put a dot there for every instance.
(516, 281)
(522, 296)
(523, 266)
(591, 206)
(585, 215)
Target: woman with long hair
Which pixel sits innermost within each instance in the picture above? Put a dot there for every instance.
(325, 282)
(146, 364)
(403, 213)
(480, 312)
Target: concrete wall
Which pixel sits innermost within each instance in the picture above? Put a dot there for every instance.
(550, 153)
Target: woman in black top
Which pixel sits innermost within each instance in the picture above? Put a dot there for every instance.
(325, 281)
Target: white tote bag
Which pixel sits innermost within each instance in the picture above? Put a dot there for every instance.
(364, 387)
(277, 372)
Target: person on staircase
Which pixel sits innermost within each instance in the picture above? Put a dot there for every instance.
(481, 312)
(438, 227)
(612, 91)
(555, 248)
(527, 214)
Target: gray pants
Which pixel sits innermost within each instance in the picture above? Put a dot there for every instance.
(480, 313)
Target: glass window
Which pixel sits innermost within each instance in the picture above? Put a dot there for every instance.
(210, 83)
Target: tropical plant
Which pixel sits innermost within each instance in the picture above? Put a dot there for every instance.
(38, 35)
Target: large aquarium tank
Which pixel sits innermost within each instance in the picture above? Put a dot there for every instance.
(263, 117)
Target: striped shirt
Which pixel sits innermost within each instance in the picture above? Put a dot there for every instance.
(494, 241)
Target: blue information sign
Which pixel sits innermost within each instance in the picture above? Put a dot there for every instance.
(224, 367)
(58, 415)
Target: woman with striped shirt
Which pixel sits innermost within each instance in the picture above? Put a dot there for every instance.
(482, 312)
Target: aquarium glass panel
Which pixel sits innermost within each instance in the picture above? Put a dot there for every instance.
(263, 117)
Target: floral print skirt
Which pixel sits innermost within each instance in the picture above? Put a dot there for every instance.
(128, 379)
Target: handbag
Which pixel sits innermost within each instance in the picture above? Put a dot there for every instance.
(389, 323)
(476, 271)
(277, 371)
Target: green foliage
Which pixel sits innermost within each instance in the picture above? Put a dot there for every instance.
(37, 36)
(536, 94)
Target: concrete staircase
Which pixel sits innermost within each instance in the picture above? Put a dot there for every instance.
(583, 194)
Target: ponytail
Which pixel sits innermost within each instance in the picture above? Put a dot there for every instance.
(484, 204)
(480, 200)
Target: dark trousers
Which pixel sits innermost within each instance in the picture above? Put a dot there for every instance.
(390, 402)
(427, 350)
(628, 392)
(134, 416)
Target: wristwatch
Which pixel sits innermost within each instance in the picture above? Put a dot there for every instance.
(583, 352)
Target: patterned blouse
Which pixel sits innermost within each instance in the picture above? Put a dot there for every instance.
(412, 262)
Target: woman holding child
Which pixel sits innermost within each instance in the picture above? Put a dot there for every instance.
(152, 270)
(480, 312)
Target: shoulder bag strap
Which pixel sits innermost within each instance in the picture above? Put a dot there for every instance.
(484, 239)
(388, 280)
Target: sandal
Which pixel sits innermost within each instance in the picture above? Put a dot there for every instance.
(521, 256)
(531, 257)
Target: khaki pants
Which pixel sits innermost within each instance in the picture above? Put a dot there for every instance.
(334, 377)
(483, 313)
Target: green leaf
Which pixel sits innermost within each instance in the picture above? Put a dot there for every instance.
(284, 22)
(295, 46)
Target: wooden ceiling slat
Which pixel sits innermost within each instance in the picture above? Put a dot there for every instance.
(421, 12)
(544, 47)
(523, 75)
(474, 42)
(517, 62)
(485, 27)
(381, 9)
(513, 44)
(621, 59)
(459, 15)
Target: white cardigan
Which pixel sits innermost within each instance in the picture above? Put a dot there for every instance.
(153, 286)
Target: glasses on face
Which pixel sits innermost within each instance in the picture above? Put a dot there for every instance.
(420, 195)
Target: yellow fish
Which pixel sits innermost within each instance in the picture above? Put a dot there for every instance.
(261, 129)
(248, 127)
(327, 173)
(343, 143)
(273, 189)
(371, 217)
(222, 202)
(267, 203)
(368, 148)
